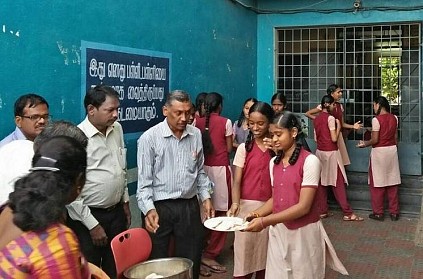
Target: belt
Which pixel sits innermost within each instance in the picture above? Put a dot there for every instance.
(110, 208)
(177, 200)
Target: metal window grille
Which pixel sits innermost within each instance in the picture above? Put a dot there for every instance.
(366, 61)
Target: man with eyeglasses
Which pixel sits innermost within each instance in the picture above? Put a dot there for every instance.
(31, 116)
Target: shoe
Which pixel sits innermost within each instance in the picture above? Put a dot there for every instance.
(394, 217)
(378, 217)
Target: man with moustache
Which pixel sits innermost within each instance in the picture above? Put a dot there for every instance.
(31, 116)
(171, 180)
(102, 209)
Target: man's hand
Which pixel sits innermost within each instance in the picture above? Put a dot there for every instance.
(208, 209)
(152, 221)
(127, 213)
(98, 236)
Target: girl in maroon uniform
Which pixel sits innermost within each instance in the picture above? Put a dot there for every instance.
(251, 189)
(298, 244)
(384, 173)
(217, 144)
(338, 112)
(327, 130)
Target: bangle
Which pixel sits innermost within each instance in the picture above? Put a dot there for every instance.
(261, 222)
(255, 214)
(235, 203)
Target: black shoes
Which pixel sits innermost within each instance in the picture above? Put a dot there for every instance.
(381, 217)
(378, 217)
(394, 217)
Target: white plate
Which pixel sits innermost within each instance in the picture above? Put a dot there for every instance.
(225, 224)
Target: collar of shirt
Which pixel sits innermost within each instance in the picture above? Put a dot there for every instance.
(18, 134)
(167, 132)
(90, 130)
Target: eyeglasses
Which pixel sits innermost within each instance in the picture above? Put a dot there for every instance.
(37, 117)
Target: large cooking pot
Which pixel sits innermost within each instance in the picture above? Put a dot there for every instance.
(170, 268)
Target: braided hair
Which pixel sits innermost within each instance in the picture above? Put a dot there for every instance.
(383, 103)
(264, 109)
(212, 103)
(241, 117)
(289, 120)
(199, 102)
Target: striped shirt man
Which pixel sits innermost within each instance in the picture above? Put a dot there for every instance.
(170, 168)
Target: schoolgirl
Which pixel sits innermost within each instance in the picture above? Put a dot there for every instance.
(241, 125)
(217, 144)
(298, 244)
(338, 112)
(384, 173)
(251, 189)
(327, 130)
(278, 102)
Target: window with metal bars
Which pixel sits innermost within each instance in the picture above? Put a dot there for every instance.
(366, 61)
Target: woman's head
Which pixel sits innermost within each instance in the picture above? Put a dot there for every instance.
(327, 102)
(260, 116)
(55, 179)
(247, 105)
(381, 103)
(278, 102)
(335, 91)
(286, 134)
(284, 130)
(245, 110)
(199, 103)
(213, 102)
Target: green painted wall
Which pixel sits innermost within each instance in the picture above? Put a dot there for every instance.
(212, 42)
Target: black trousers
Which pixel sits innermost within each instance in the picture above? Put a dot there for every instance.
(113, 222)
(180, 219)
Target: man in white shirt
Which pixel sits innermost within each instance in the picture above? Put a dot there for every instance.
(31, 116)
(16, 156)
(102, 209)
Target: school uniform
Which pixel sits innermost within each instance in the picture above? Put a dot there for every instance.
(217, 168)
(299, 248)
(333, 171)
(384, 173)
(250, 249)
(338, 113)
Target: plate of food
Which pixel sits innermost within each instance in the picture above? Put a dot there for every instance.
(226, 224)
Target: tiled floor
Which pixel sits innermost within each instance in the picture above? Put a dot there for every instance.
(368, 249)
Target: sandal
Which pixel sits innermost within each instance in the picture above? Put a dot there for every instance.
(214, 267)
(204, 272)
(353, 217)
